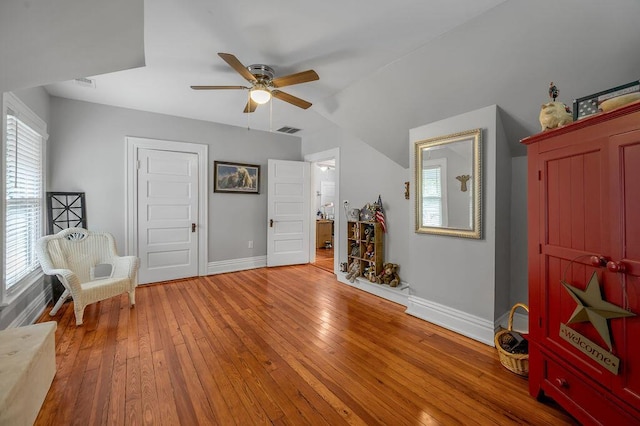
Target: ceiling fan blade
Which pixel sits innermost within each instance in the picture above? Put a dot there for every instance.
(300, 103)
(217, 87)
(237, 65)
(301, 77)
(251, 106)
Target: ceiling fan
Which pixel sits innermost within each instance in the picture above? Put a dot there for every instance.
(263, 83)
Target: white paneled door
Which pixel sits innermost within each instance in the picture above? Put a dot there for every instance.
(167, 215)
(288, 212)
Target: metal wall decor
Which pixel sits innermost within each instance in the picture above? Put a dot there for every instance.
(66, 210)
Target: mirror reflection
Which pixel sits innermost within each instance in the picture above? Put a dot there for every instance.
(448, 185)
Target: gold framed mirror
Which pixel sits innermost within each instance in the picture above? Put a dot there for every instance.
(448, 185)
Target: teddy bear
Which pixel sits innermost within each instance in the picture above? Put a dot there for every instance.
(389, 275)
(354, 271)
(370, 252)
(370, 273)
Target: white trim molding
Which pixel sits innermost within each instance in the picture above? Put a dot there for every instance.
(333, 153)
(33, 311)
(452, 319)
(31, 119)
(398, 294)
(132, 145)
(234, 265)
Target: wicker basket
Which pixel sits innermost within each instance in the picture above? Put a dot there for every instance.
(516, 363)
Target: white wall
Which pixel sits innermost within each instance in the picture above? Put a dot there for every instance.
(48, 41)
(506, 56)
(87, 153)
(457, 282)
(461, 284)
(37, 99)
(364, 174)
(503, 209)
(519, 264)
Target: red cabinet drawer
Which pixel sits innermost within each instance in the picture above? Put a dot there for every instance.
(584, 399)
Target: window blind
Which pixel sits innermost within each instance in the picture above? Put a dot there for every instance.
(23, 192)
(432, 196)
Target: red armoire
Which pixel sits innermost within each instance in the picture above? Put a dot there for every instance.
(584, 266)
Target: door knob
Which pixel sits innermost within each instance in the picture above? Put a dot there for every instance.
(193, 227)
(270, 223)
(615, 266)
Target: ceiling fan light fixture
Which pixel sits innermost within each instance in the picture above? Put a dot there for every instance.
(260, 94)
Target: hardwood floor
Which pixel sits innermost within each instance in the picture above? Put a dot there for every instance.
(286, 345)
(324, 259)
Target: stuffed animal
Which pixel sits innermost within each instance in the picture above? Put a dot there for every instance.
(554, 114)
(389, 275)
(355, 250)
(369, 253)
(369, 273)
(354, 271)
(368, 234)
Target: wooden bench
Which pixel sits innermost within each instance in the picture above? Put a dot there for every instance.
(27, 368)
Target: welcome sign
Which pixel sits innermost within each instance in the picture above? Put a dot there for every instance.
(591, 349)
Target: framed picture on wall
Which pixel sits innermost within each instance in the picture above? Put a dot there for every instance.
(236, 178)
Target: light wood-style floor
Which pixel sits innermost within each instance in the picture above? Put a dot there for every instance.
(285, 345)
(324, 259)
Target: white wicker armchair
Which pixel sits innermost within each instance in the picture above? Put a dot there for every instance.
(73, 255)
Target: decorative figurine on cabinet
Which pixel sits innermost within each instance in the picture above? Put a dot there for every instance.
(554, 114)
(553, 91)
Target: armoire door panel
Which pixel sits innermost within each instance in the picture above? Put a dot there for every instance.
(584, 203)
(624, 154)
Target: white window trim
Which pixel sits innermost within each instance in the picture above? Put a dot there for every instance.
(442, 164)
(26, 115)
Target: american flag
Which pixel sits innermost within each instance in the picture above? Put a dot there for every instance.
(380, 215)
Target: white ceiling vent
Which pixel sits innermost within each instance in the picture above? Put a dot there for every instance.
(85, 82)
(287, 129)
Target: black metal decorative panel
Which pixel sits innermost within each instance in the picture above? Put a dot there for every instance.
(66, 210)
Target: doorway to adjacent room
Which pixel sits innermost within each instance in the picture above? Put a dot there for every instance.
(325, 207)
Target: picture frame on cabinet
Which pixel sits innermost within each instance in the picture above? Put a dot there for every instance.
(589, 105)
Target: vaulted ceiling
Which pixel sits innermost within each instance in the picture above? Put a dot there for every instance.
(384, 67)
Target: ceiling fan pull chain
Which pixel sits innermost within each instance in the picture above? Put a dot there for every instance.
(271, 114)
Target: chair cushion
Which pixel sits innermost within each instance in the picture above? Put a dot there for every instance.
(103, 288)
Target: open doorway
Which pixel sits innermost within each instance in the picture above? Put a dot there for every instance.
(325, 209)
(325, 203)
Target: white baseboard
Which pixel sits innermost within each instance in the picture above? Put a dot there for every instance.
(452, 319)
(33, 311)
(398, 294)
(235, 265)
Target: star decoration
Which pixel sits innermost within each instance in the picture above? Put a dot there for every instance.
(592, 308)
